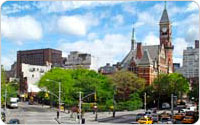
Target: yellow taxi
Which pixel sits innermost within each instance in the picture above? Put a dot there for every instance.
(178, 116)
(145, 120)
(188, 120)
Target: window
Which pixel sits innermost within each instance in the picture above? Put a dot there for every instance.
(32, 76)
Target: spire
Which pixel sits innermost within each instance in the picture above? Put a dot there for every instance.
(133, 39)
(164, 18)
(133, 33)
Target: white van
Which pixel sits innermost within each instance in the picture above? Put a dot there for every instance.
(13, 102)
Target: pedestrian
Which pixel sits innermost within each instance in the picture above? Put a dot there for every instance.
(57, 114)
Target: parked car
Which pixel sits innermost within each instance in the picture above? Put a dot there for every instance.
(179, 116)
(155, 118)
(188, 120)
(3, 116)
(166, 120)
(140, 115)
(14, 121)
(165, 105)
(145, 120)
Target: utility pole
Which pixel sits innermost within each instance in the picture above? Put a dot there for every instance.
(80, 119)
(172, 104)
(5, 101)
(145, 102)
(114, 101)
(59, 97)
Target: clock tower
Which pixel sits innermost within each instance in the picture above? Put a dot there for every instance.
(165, 38)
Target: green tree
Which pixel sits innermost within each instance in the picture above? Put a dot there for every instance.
(194, 93)
(73, 81)
(178, 84)
(12, 88)
(166, 84)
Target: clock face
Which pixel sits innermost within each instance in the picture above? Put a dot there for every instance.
(164, 29)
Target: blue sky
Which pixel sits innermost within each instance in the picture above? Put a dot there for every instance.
(102, 28)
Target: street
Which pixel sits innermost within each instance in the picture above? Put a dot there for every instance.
(38, 114)
(32, 114)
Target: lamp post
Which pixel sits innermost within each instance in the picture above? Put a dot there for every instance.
(5, 100)
(80, 119)
(114, 101)
(59, 96)
(145, 101)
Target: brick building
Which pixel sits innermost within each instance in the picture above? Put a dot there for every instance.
(151, 60)
(38, 57)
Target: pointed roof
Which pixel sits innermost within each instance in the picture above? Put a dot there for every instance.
(164, 18)
(146, 59)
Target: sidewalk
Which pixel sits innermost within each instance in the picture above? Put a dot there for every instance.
(90, 117)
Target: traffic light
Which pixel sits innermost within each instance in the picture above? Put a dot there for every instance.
(46, 95)
(95, 97)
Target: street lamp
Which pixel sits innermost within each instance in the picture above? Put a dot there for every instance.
(5, 100)
(59, 96)
(145, 101)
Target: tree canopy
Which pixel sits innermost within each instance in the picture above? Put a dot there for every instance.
(74, 81)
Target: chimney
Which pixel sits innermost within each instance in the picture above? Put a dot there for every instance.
(196, 43)
(139, 51)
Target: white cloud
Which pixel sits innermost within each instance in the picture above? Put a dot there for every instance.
(77, 24)
(151, 39)
(179, 45)
(145, 18)
(130, 9)
(14, 8)
(8, 59)
(92, 36)
(71, 25)
(178, 60)
(192, 6)
(20, 29)
(61, 6)
(189, 27)
(118, 20)
(106, 50)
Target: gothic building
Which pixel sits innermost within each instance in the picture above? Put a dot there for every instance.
(150, 60)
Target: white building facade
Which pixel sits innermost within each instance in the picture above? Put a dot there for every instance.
(80, 60)
(33, 73)
(190, 68)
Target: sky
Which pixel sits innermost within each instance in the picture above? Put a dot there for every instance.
(101, 28)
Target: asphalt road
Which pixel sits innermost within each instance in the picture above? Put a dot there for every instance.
(32, 114)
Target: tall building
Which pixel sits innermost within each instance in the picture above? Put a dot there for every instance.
(38, 57)
(80, 60)
(148, 61)
(190, 68)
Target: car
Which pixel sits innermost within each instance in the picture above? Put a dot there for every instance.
(165, 105)
(166, 120)
(3, 116)
(140, 115)
(145, 120)
(164, 114)
(179, 116)
(14, 121)
(155, 118)
(188, 120)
